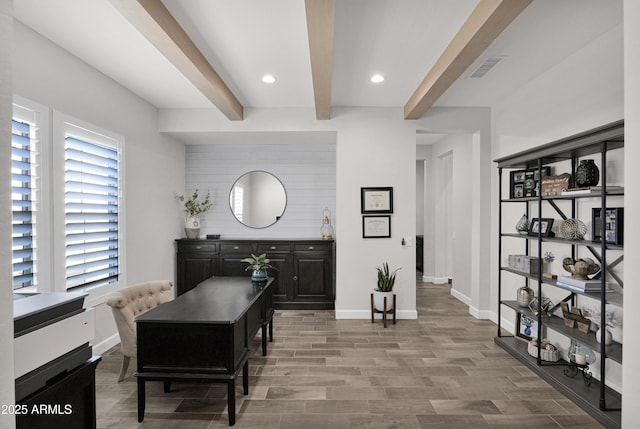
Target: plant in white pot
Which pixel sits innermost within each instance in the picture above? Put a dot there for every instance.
(193, 208)
(386, 282)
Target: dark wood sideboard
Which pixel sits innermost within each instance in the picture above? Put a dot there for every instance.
(304, 277)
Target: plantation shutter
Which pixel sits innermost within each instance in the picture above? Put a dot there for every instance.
(22, 205)
(91, 213)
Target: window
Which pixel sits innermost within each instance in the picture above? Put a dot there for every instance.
(22, 204)
(91, 213)
(87, 204)
(29, 135)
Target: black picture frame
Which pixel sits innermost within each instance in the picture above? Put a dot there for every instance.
(542, 226)
(376, 200)
(526, 183)
(614, 222)
(376, 226)
(526, 327)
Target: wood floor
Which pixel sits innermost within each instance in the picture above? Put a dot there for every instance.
(440, 371)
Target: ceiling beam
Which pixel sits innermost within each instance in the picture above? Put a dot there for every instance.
(482, 27)
(157, 24)
(320, 16)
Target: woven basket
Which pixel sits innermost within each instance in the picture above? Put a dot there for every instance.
(546, 355)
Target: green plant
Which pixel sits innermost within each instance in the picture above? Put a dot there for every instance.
(259, 262)
(193, 207)
(386, 279)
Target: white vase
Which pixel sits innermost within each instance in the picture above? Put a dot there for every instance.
(607, 336)
(378, 300)
(192, 227)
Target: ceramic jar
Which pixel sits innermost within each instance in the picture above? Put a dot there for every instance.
(587, 174)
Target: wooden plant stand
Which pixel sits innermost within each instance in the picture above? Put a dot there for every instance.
(384, 312)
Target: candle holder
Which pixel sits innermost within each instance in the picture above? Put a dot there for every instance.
(580, 357)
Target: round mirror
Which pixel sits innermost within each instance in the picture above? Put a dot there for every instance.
(257, 199)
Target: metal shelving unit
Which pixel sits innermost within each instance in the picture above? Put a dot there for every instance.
(596, 399)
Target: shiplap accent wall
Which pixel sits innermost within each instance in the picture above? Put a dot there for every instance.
(307, 171)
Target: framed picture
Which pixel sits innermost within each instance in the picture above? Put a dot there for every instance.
(613, 222)
(376, 200)
(376, 226)
(526, 183)
(526, 327)
(542, 226)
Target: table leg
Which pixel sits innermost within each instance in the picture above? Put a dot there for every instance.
(245, 377)
(384, 313)
(231, 401)
(264, 340)
(141, 400)
(271, 330)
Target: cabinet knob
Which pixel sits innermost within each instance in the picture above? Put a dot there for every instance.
(235, 247)
(198, 247)
(295, 278)
(274, 247)
(310, 247)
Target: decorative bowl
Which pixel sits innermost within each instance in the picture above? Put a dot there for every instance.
(580, 268)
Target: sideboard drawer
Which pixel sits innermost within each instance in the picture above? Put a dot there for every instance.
(312, 247)
(236, 248)
(273, 248)
(198, 247)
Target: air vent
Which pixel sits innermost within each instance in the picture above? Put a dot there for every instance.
(484, 68)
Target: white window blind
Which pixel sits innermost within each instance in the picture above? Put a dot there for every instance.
(22, 201)
(91, 213)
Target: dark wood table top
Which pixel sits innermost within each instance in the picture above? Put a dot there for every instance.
(217, 300)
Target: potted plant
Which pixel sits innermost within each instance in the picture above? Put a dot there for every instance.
(259, 265)
(386, 282)
(193, 208)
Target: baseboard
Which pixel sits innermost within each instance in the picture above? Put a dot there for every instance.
(106, 344)
(435, 280)
(480, 314)
(461, 297)
(366, 314)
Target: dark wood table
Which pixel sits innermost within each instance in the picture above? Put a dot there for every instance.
(204, 335)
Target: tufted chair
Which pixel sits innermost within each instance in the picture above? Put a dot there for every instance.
(130, 302)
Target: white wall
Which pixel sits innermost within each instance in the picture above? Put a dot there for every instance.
(307, 172)
(375, 148)
(630, 373)
(153, 163)
(6, 297)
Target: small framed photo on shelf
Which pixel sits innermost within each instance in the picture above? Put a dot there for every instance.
(376, 226)
(376, 200)
(541, 226)
(613, 222)
(526, 327)
(526, 183)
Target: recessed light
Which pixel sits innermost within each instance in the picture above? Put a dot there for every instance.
(267, 78)
(377, 78)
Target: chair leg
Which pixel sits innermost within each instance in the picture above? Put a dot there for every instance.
(123, 369)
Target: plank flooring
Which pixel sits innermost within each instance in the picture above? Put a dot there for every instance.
(440, 371)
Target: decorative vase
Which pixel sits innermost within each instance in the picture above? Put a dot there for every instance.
(607, 336)
(524, 296)
(378, 300)
(192, 227)
(587, 174)
(259, 275)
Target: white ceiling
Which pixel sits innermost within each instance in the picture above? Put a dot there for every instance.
(244, 39)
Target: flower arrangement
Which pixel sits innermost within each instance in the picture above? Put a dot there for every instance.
(193, 207)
